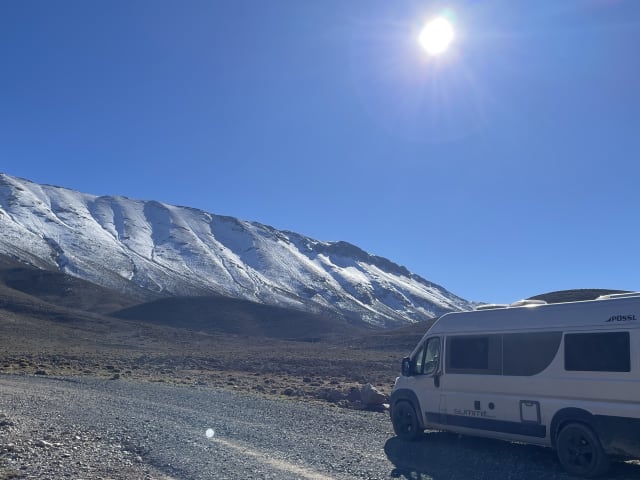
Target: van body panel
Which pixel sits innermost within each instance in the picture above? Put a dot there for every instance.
(523, 373)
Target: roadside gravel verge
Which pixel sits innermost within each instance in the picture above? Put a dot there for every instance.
(85, 428)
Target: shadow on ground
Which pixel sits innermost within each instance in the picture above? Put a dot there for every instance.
(447, 456)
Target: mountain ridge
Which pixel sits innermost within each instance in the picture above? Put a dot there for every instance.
(151, 249)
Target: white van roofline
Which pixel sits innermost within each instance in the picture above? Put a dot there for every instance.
(609, 311)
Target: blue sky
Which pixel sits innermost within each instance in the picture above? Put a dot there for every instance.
(505, 168)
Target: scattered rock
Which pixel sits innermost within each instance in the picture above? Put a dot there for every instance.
(331, 395)
(372, 397)
(43, 444)
(5, 422)
(293, 392)
(354, 395)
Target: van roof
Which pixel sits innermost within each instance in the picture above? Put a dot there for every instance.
(607, 312)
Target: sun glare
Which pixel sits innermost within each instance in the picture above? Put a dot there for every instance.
(436, 36)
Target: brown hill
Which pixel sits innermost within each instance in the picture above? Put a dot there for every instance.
(576, 295)
(238, 317)
(60, 289)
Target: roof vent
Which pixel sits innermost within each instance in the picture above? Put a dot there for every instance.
(491, 306)
(528, 303)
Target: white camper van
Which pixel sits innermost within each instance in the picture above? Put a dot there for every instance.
(564, 375)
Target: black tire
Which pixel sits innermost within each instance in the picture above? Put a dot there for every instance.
(580, 452)
(405, 421)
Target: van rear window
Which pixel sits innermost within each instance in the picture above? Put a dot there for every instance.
(597, 352)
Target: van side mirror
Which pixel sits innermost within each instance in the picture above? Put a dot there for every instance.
(406, 367)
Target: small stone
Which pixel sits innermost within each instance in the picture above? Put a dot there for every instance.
(371, 396)
(4, 422)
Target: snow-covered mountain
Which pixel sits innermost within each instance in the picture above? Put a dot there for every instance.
(163, 250)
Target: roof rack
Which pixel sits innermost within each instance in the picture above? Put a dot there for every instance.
(612, 296)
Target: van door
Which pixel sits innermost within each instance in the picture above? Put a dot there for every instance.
(473, 364)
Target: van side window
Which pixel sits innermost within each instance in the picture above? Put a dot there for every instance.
(527, 354)
(597, 352)
(515, 354)
(481, 354)
(427, 358)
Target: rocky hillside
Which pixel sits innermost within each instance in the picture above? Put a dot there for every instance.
(149, 250)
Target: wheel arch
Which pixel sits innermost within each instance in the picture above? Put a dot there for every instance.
(407, 395)
(569, 415)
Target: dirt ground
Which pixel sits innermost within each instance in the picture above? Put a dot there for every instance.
(327, 370)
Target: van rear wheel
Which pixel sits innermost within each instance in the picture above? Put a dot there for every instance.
(580, 452)
(405, 421)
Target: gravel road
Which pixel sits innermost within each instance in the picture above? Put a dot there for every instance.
(83, 428)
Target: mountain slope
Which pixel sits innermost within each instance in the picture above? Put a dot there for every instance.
(239, 317)
(59, 289)
(150, 249)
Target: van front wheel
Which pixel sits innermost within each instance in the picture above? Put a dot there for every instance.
(405, 421)
(580, 452)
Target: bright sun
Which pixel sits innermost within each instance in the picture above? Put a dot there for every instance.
(436, 36)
